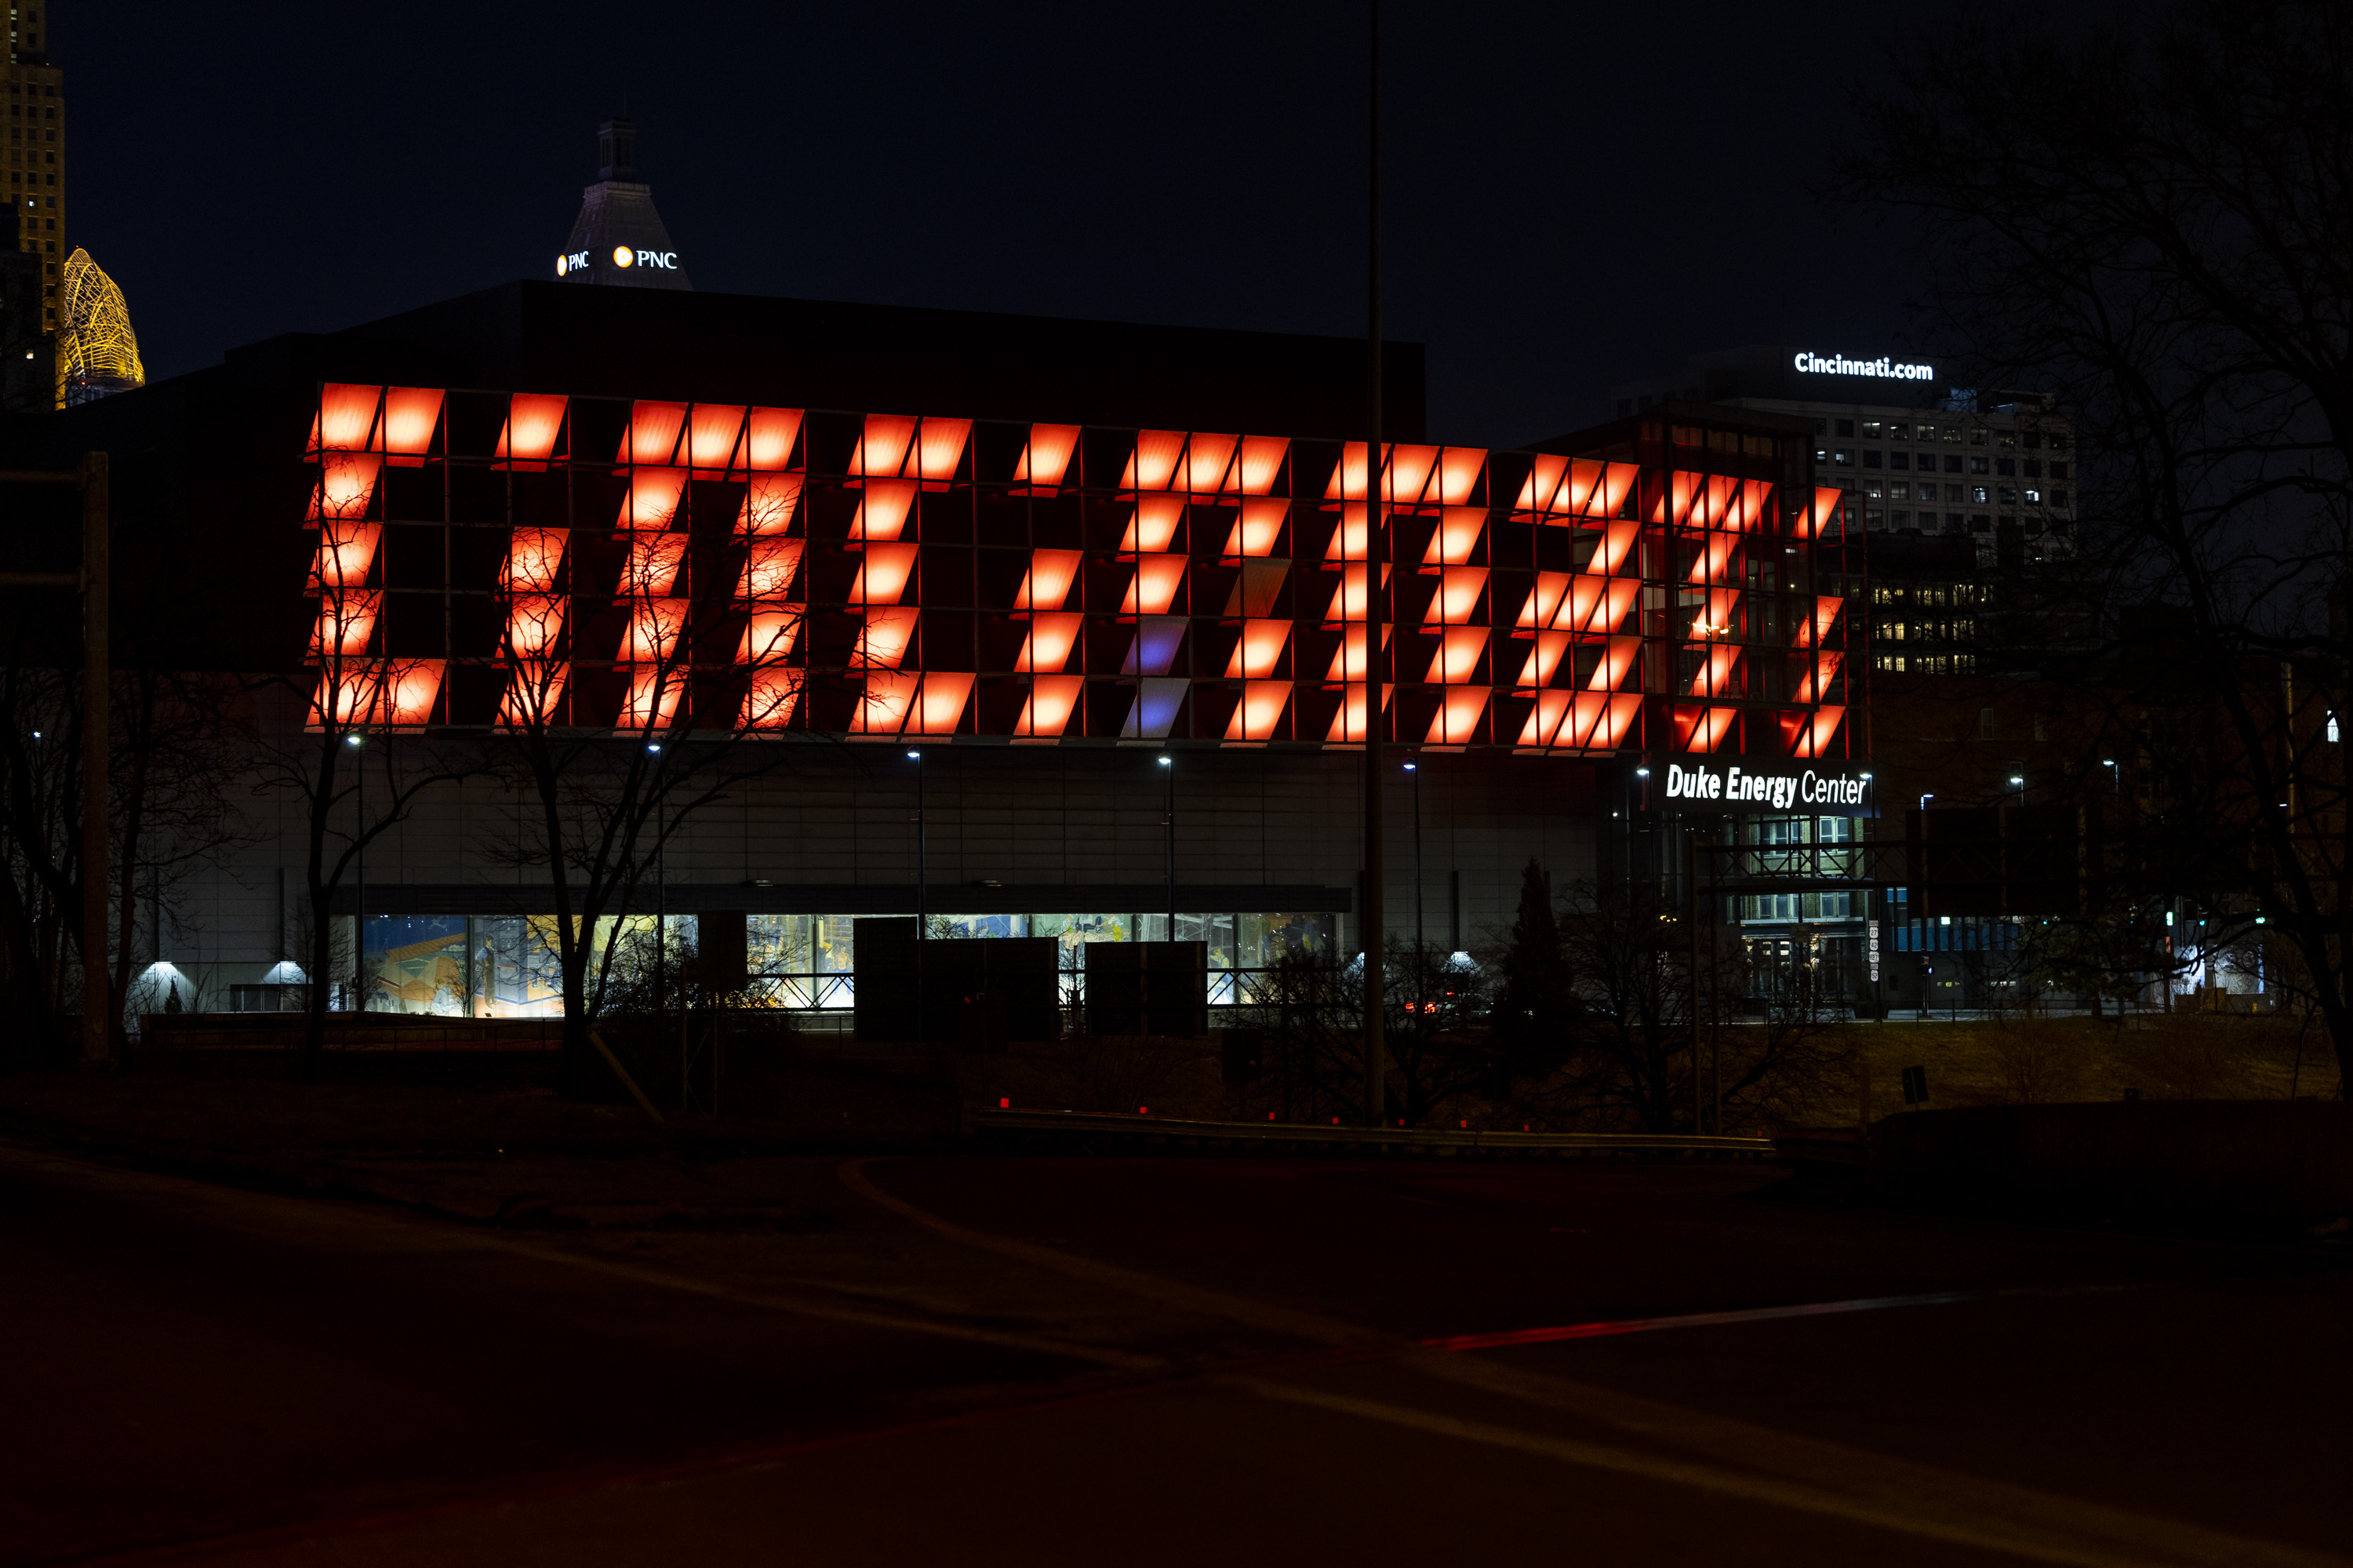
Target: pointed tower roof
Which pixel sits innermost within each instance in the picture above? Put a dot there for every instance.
(618, 237)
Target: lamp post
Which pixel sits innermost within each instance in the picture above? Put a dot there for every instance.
(2116, 774)
(1415, 770)
(359, 883)
(661, 887)
(1168, 822)
(921, 919)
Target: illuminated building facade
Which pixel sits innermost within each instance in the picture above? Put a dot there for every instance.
(619, 239)
(36, 171)
(96, 350)
(1046, 555)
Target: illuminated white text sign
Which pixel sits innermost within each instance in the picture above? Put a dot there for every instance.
(1882, 369)
(1766, 787)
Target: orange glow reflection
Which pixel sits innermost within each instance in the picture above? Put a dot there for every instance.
(1048, 582)
(1047, 457)
(1048, 647)
(535, 420)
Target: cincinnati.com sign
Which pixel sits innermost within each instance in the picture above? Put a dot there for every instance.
(1820, 790)
(1882, 369)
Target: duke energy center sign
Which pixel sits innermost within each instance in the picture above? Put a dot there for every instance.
(1761, 784)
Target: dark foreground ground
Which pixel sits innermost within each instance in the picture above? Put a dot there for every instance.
(936, 1358)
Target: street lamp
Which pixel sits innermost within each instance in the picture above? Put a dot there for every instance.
(1168, 765)
(359, 887)
(1414, 768)
(921, 913)
(1925, 799)
(2115, 776)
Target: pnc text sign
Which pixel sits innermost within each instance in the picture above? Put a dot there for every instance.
(1763, 784)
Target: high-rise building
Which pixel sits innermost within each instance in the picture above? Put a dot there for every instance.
(618, 237)
(36, 187)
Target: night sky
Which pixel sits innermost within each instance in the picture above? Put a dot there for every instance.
(1576, 194)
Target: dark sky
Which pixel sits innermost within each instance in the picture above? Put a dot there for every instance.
(1578, 194)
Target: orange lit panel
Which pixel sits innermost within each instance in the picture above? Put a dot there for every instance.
(1349, 661)
(882, 642)
(881, 448)
(1610, 729)
(346, 620)
(769, 567)
(1053, 700)
(1352, 589)
(770, 697)
(940, 706)
(1814, 518)
(1458, 654)
(346, 552)
(882, 706)
(939, 448)
(1702, 730)
(1544, 599)
(535, 623)
(1048, 581)
(345, 421)
(410, 413)
(1540, 491)
(1153, 462)
(1157, 579)
(1456, 723)
(1544, 658)
(1404, 477)
(347, 694)
(1814, 733)
(346, 482)
(1609, 556)
(411, 689)
(534, 560)
(883, 510)
(1814, 683)
(1259, 650)
(713, 432)
(1260, 711)
(1458, 474)
(534, 694)
(1617, 662)
(653, 432)
(1048, 647)
(1047, 457)
(882, 574)
(652, 701)
(653, 564)
(1721, 617)
(1457, 535)
(1348, 724)
(1719, 673)
(769, 501)
(535, 420)
(1258, 530)
(1261, 465)
(1817, 629)
(1457, 597)
(1209, 464)
(653, 498)
(768, 636)
(654, 627)
(1717, 554)
(1348, 538)
(1154, 526)
(768, 438)
(1600, 604)
(1543, 719)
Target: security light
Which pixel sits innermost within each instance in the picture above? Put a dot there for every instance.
(350, 740)
(653, 746)
(1409, 766)
(915, 756)
(1163, 761)
(2016, 780)
(1642, 773)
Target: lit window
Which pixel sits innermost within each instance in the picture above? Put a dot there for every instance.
(2333, 735)
(2034, 498)
(1842, 457)
(1978, 493)
(1871, 430)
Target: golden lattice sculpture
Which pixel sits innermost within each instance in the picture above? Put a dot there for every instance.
(96, 350)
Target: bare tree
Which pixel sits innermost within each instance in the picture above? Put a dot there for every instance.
(2155, 224)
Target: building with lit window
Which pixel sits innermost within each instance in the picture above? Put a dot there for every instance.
(1050, 628)
(36, 172)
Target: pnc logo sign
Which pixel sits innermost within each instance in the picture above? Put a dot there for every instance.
(571, 264)
(666, 260)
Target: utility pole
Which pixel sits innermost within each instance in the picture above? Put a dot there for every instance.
(1375, 466)
(1168, 772)
(97, 1028)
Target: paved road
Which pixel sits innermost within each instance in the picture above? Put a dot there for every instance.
(1137, 1361)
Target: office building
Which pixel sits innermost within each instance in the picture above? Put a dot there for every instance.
(619, 239)
(37, 183)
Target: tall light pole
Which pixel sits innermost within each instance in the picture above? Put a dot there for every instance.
(359, 882)
(2116, 774)
(661, 887)
(1375, 463)
(1168, 773)
(922, 915)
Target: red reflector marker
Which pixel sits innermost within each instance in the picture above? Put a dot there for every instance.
(1005, 1104)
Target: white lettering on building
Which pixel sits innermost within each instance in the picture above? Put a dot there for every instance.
(1883, 368)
